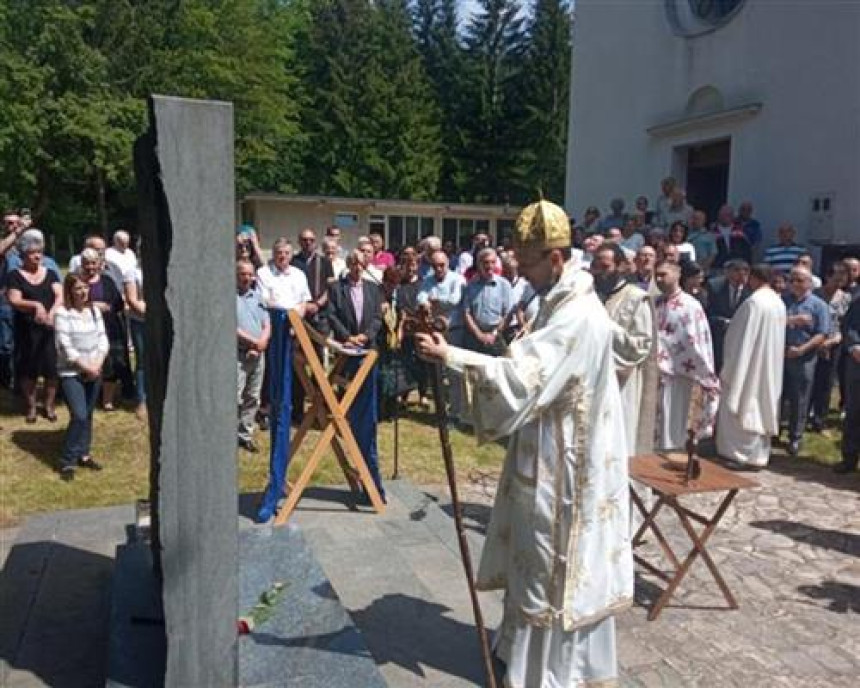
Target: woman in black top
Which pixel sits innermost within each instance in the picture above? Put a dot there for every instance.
(35, 293)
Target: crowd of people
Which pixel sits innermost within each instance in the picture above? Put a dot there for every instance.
(675, 285)
(77, 333)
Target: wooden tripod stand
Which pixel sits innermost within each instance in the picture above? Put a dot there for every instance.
(328, 413)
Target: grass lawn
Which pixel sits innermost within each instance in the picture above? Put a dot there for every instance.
(29, 482)
(29, 454)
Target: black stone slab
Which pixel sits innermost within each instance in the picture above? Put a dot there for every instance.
(309, 641)
(184, 167)
(137, 650)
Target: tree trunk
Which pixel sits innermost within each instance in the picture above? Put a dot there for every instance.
(101, 202)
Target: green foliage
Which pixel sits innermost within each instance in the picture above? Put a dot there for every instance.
(78, 73)
(495, 44)
(545, 97)
(371, 118)
(380, 98)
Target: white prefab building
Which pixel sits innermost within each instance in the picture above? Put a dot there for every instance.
(737, 99)
(401, 223)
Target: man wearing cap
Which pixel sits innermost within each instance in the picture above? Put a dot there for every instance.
(558, 542)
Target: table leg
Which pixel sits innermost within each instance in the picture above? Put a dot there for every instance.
(649, 523)
(699, 543)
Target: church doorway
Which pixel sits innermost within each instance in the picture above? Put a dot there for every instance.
(707, 175)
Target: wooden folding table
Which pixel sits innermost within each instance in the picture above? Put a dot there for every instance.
(665, 475)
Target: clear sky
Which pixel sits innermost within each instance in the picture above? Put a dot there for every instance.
(467, 7)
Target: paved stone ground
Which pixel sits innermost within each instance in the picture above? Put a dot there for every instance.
(790, 551)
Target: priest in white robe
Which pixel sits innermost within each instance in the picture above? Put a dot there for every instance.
(751, 378)
(685, 359)
(634, 345)
(558, 542)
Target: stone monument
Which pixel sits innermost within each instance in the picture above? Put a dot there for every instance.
(176, 604)
(184, 167)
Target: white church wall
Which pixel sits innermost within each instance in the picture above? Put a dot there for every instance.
(801, 61)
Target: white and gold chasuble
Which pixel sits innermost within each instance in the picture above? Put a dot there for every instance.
(558, 542)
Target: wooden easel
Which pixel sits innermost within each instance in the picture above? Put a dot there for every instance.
(328, 413)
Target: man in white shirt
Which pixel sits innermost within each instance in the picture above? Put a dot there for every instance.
(119, 258)
(331, 250)
(95, 242)
(664, 201)
(371, 272)
(804, 260)
(283, 287)
(442, 290)
(677, 210)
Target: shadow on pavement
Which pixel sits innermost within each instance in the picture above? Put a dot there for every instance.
(843, 597)
(409, 632)
(847, 543)
(55, 606)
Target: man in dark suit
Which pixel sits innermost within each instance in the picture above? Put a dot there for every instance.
(354, 314)
(851, 424)
(727, 294)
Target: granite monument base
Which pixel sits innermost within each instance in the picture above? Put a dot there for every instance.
(309, 640)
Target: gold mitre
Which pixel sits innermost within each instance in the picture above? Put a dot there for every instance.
(542, 225)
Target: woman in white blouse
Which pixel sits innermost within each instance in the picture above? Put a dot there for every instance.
(81, 349)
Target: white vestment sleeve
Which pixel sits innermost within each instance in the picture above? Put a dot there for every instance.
(632, 346)
(505, 393)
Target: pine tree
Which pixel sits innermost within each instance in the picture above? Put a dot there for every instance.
(436, 33)
(371, 117)
(545, 85)
(82, 71)
(495, 44)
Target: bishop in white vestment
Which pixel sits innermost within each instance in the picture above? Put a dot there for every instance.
(685, 359)
(751, 378)
(558, 542)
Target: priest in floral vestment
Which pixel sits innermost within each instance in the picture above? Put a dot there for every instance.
(751, 378)
(685, 359)
(558, 542)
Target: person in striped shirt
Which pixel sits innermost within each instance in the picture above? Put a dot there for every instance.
(783, 255)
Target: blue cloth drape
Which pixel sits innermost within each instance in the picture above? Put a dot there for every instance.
(280, 366)
(363, 418)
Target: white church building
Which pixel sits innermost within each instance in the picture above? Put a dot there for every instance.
(737, 99)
